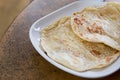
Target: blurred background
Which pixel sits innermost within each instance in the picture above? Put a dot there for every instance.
(9, 9)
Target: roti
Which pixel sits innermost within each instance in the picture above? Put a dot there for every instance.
(63, 46)
(101, 25)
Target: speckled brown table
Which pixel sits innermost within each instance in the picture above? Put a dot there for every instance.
(19, 60)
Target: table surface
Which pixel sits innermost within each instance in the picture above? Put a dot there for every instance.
(19, 60)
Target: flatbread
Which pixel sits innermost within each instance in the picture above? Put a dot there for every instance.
(65, 47)
(100, 24)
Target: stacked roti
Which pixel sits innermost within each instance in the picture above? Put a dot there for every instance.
(68, 42)
(99, 24)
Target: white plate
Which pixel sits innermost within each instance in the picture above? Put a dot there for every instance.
(67, 11)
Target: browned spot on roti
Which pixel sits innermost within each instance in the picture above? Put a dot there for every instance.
(74, 13)
(95, 52)
(116, 51)
(101, 14)
(109, 58)
(77, 21)
(95, 29)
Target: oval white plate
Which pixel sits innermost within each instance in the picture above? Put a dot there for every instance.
(34, 34)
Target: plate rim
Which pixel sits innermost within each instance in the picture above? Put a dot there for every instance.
(59, 66)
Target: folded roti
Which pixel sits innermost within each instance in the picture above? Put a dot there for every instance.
(100, 24)
(65, 47)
